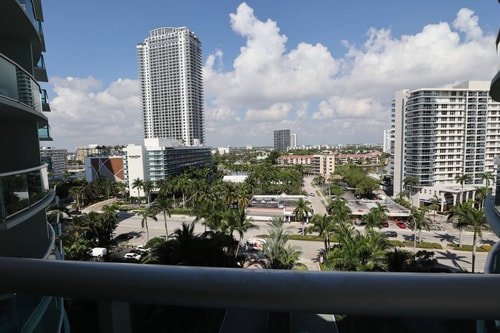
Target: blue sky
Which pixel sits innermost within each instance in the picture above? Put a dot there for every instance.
(325, 69)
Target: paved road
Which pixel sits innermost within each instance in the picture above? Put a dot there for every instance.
(310, 250)
(317, 205)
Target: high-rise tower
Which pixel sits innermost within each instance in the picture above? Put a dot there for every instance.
(442, 134)
(281, 140)
(170, 73)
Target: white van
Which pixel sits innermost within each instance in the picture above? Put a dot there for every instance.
(98, 252)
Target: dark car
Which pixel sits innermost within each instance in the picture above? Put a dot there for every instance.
(123, 237)
(391, 233)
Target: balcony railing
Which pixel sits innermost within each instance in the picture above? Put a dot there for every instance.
(19, 85)
(429, 295)
(22, 189)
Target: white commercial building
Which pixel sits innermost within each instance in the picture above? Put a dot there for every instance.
(442, 133)
(160, 159)
(171, 80)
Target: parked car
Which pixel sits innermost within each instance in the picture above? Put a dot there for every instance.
(123, 237)
(133, 255)
(402, 225)
(385, 224)
(391, 233)
(255, 244)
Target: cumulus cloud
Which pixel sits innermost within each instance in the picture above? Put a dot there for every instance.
(85, 112)
(327, 99)
(270, 84)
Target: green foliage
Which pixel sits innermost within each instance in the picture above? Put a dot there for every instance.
(467, 247)
(278, 253)
(84, 232)
(358, 179)
(211, 249)
(423, 245)
(312, 238)
(356, 251)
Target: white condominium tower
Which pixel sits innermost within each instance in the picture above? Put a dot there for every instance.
(440, 134)
(170, 74)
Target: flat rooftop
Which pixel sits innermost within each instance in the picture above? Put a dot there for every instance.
(362, 206)
(267, 206)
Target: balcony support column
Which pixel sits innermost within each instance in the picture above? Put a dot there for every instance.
(114, 317)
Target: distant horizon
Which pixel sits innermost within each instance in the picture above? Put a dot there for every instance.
(235, 147)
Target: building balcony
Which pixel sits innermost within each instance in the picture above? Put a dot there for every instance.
(18, 86)
(23, 192)
(44, 133)
(40, 70)
(495, 87)
(45, 101)
(22, 15)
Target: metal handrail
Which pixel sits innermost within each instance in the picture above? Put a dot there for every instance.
(17, 172)
(375, 294)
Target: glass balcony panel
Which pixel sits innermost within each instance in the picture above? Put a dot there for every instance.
(8, 79)
(44, 134)
(28, 8)
(17, 84)
(19, 191)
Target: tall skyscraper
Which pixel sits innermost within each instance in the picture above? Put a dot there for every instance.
(281, 140)
(171, 78)
(440, 134)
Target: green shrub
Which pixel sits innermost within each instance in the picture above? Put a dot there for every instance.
(315, 238)
(467, 247)
(423, 245)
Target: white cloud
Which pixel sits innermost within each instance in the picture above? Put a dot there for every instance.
(336, 100)
(84, 112)
(275, 112)
(321, 97)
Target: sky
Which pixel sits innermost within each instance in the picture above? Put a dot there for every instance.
(325, 69)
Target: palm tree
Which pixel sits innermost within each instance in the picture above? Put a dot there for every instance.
(146, 213)
(138, 184)
(339, 210)
(477, 218)
(357, 252)
(148, 186)
(459, 215)
(239, 222)
(435, 205)
(418, 221)
(375, 217)
(466, 214)
(481, 194)
(163, 204)
(461, 179)
(185, 242)
(487, 177)
(279, 254)
(412, 182)
(302, 211)
(323, 224)
(77, 192)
